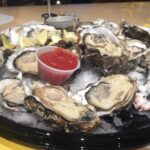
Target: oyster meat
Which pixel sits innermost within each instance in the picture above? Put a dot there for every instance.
(102, 44)
(112, 93)
(53, 104)
(23, 61)
(12, 94)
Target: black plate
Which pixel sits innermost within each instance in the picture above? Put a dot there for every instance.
(66, 141)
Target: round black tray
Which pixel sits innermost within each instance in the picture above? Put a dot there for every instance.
(66, 141)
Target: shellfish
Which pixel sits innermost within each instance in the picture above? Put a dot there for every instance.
(23, 60)
(53, 104)
(12, 94)
(112, 93)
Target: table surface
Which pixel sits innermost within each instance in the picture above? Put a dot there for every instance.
(134, 12)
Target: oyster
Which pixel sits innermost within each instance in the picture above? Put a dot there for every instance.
(23, 61)
(12, 94)
(135, 32)
(100, 23)
(108, 53)
(133, 48)
(102, 48)
(100, 45)
(109, 25)
(112, 93)
(53, 104)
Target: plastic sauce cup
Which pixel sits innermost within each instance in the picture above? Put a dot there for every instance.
(63, 22)
(53, 75)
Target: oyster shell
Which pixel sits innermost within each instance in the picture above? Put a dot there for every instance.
(112, 93)
(53, 104)
(135, 32)
(109, 25)
(100, 23)
(12, 94)
(133, 48)
(23, 61)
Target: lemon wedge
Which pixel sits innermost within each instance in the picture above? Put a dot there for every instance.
(69, 36)
(6, 42)
(26, 41)
(42, 37)
(55, 39)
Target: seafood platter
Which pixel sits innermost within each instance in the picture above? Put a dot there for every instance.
(105, 103)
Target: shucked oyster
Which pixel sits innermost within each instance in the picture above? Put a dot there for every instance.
(100, 23)
(112, 93)
(102, 44)
(23, 61)
(103, 40)
(12, 94)
(105, 51)
(53, 104)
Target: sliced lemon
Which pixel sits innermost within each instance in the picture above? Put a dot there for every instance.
(7, 43)
(42, 37)
(55, 39)
(26, 41)
(69, 36)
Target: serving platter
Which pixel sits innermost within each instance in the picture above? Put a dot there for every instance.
(132, 138)
(121, 126)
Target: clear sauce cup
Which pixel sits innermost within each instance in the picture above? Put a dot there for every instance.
(50, 74)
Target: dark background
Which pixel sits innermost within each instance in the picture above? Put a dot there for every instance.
(43, 2)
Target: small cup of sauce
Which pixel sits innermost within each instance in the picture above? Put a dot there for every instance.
(56, 65)
(63, 22)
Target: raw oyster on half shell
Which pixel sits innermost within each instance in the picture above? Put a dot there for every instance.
(107, 52)
(12, 93)
(23, 61)
(53, 104)
(104, 45)
(112, 93)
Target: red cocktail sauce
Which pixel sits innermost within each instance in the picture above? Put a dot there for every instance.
(62, 64)
(59, 59)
